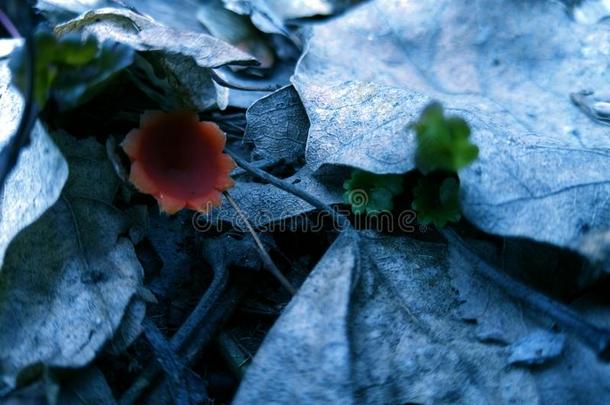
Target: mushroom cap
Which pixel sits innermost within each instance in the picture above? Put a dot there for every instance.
(179, 161)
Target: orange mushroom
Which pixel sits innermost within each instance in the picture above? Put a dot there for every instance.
(179, 160)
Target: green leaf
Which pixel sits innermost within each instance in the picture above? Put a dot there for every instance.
(372, 193)
(442, 142)
(436, 200)
(69, 69)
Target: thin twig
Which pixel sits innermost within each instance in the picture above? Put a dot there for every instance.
(234, 354)
(340, 220)
(169, 361)
(180, 341)
(235, 127)
(596, 338)
(227, 303)
(261, 249)
(192, 347)
(259, 164)
(235, 86)
(8, 25)
(203, 308)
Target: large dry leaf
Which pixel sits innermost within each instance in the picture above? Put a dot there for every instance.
(376, 323)
(507, 67)
(69, 276)
(270, 15)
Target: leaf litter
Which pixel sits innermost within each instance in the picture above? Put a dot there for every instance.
(398, 315)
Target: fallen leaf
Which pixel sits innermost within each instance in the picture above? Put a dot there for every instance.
(526, 336)
(237, 30)
(359, 124)
(269, 15)
(185, 57)
(67, 278)
(144, 34)
(375, 323)
(508, 69)
(277, 125)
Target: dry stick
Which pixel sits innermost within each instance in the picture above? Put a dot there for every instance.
(261, 249)
(169, 361)
(191, 349)
(180, 340)
(227, 302)
(340, 220)
(596, 338)
(8, 25)
(260, 164)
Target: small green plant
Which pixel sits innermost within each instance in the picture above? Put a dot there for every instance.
(443, 143)
(443, 148)
(436, 199)
(372, 193)
(68, 69)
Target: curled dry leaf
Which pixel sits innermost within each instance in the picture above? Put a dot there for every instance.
(183, 59)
